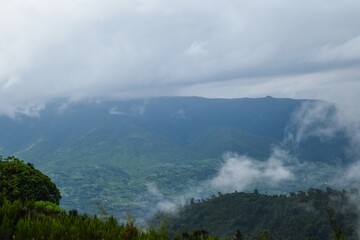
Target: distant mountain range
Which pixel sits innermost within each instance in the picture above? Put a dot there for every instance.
(106, 153)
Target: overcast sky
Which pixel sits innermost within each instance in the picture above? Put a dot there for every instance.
(215, 48)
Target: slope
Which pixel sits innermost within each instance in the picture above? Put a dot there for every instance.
(109, 151)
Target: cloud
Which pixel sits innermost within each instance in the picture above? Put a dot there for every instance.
(238, 172)
(282, 172)
(115, 111)
(315, 119)
(162, 203)
(197, 49)
(319, 119)
(324, 85)
(11, 83)
(326, 121)
(350, 177)
(153, 190)
(348, 50)
(85, 49)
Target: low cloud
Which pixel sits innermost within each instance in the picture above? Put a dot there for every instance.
(238, 172)
(348, 50)
(351, 176)
(162, 203)
(349, 180)
(326, 121)
(115, 111)
(314, 119)
(137, 110)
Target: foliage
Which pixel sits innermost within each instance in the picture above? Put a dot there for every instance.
(297, 216)
(314, 214)
(20, 181)
(29, 220)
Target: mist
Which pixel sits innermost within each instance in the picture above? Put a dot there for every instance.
(319, 119)
(238, 172)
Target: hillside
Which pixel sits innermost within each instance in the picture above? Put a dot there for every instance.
(29, 210)
(314, 214)
(109, 152)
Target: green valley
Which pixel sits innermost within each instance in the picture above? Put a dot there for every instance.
(107, 153)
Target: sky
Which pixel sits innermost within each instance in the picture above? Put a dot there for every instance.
(88, 49)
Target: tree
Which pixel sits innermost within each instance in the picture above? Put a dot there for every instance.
(24, 182)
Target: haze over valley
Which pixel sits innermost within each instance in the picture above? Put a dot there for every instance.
(129, 156)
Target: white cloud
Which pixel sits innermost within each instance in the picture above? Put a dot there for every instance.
(167, 206)
(197, 48)
(153, 190)
(351, 176)
(315, 119)
(11, 83)
(162, 203)
(115, 111)
(83, 49)
(341, 85)
(238, 172)
(326, 121)
(348, 50)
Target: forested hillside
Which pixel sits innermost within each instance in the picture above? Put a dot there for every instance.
(23, 181)
(29, 210)
(314, 214)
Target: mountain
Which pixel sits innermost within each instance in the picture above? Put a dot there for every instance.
(107, 153)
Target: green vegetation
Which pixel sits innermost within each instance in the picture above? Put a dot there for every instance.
(43, 220)
(109, 152)
(20, 181)
(29, 210)
(314, 214)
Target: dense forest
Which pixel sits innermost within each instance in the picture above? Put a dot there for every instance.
(29, 209)
(314, 214)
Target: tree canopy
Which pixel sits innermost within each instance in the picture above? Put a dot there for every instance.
(22, 181)
(315, 214)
